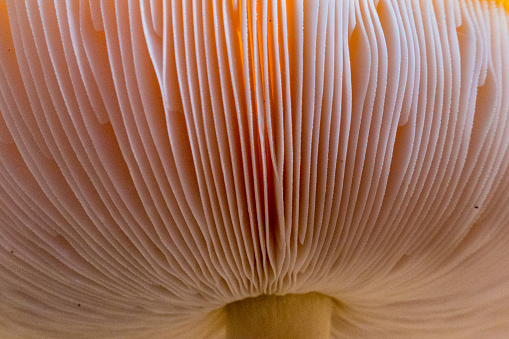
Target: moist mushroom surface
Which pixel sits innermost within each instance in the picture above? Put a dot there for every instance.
(169, 169)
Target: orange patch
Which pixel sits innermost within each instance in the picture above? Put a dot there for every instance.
(503, 3)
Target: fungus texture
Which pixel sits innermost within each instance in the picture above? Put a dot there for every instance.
(209, 169)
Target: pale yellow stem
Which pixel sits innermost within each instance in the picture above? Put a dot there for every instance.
(292, 316)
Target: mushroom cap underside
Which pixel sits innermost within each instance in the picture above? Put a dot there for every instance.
(162, 159)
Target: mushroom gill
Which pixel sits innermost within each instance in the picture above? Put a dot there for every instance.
(203, 169)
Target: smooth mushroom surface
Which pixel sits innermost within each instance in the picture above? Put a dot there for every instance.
(254, 169)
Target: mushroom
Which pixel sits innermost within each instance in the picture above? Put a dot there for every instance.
(201, 169)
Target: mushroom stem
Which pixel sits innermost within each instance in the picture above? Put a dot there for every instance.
(287, 316)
